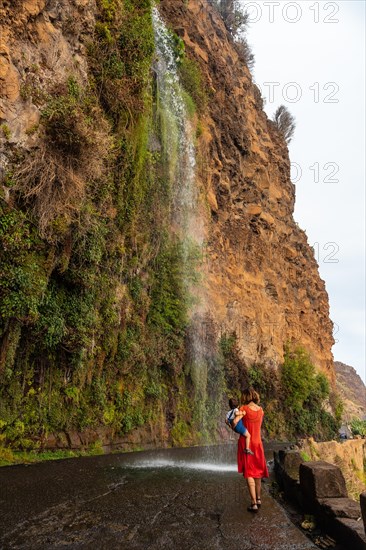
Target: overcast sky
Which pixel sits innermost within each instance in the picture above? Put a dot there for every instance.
(315, 52)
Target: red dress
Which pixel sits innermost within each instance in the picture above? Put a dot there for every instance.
(249, 465)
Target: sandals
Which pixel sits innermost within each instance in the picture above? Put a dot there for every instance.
(248, 452)
(259, 502)
(253, 508)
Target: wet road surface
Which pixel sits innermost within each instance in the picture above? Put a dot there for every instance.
(174, 499)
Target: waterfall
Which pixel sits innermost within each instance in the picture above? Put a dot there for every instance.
(176, 135)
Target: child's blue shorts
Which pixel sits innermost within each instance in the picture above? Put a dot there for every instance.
(240, 428)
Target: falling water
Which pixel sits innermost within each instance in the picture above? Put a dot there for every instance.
(177, 137)
(176, 134)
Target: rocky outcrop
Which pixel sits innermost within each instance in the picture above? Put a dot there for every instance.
(352, 391)
(262, 276)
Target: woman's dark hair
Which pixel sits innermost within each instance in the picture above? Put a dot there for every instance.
(249, 395)
(233, 403)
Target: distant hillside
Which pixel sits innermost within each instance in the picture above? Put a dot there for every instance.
(352, 390)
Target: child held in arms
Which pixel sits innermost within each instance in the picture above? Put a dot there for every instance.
(234, 420)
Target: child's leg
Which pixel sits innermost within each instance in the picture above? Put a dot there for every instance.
(247, 444)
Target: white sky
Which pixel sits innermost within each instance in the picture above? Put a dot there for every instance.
(323, 48)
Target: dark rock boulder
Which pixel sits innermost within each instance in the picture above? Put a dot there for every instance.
(321, 480)
(339, 508)
(363, 508)
(341, 517)
(350, 532)
(291, 463)
(287, 464)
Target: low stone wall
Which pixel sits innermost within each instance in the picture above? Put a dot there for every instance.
(319, 488)
(349, 455)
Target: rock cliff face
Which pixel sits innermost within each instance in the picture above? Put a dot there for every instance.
(352, 391)
(41, 42)
(93, 324)
(263, 280)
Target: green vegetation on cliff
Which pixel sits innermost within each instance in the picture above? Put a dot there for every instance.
(358, 427)
(297, 400)
(94, 290)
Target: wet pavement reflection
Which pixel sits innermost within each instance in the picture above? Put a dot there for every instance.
(181, 499)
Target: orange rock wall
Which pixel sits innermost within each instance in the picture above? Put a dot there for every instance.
(262, 279)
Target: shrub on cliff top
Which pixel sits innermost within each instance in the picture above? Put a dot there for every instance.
(245, 53)
(285, 123)
(236, 20)
(234, 16)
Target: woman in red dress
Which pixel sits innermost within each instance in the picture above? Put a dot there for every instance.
(253, 467)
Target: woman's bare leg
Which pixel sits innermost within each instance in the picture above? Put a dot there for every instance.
(251, 489)
(258, 484)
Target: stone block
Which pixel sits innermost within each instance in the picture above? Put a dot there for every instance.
(339, 508)
(363, 508)
(350, 532)
(319, 480)
(291, 464)
(287, 465)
